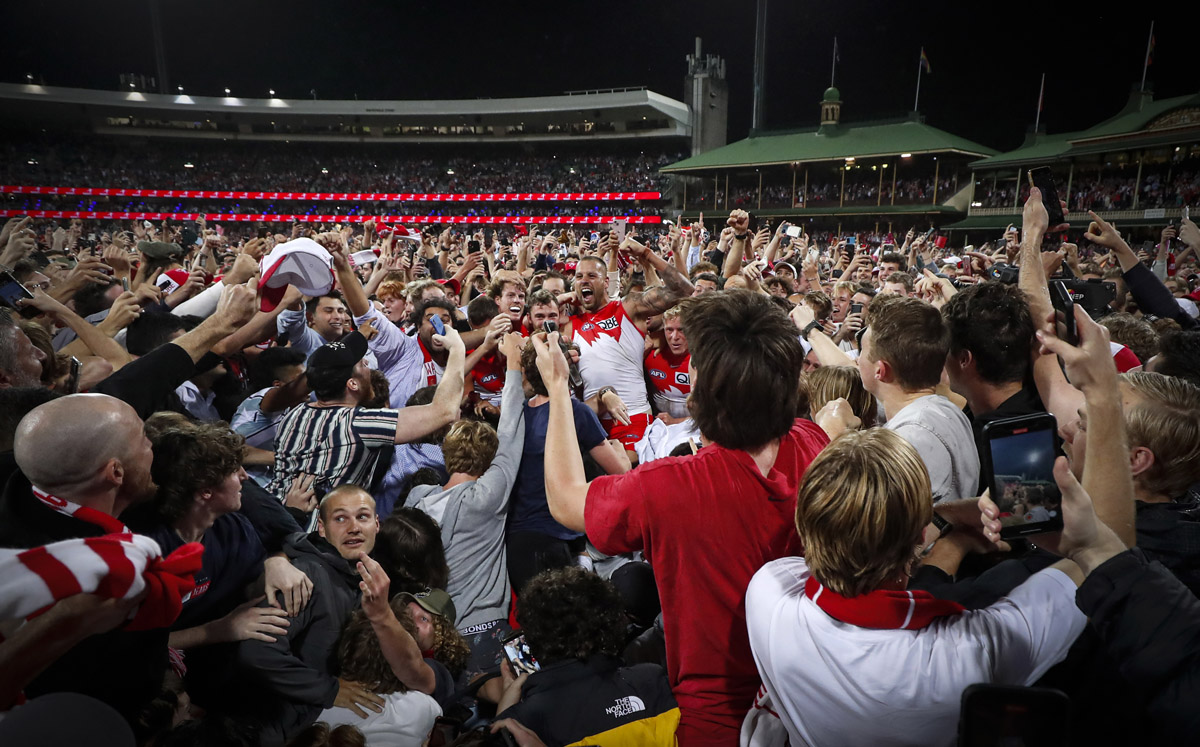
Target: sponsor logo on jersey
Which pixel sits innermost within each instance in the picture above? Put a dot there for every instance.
(682, 378)
(657, 374)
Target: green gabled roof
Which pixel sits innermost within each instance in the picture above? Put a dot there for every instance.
(848, 210)
(828, 144)
(1140, 111)
(1040, 147)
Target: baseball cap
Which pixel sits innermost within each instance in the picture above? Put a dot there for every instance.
(436, 601)
(300, 262)
(334, 362)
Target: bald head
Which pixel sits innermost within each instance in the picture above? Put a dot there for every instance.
(66, 442)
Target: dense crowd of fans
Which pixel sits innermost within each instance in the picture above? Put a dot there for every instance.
(1159, 188)
(325, 167)
(855, 192)
(647, 485)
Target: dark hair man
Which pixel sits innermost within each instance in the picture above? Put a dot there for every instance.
(575, 629)
(335, 438)
(611, 336)
(746, 360)
(991, 334)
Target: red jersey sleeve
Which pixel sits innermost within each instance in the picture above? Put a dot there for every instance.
(614, 515)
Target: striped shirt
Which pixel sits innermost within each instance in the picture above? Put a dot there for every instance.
(339, 445)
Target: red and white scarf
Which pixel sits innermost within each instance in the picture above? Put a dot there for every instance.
(109, 524)
(880, 609)
(115, 566)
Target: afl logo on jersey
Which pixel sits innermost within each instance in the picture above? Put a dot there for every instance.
(586, 327)
(488, 378)
(682, 378)
(655, 373)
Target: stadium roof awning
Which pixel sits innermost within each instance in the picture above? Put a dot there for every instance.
(887, 140)
(1142, 123)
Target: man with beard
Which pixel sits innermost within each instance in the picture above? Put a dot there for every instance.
(611, 337)
(52, 498)
(336, 438)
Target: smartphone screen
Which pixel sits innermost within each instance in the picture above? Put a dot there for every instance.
(1042, 179)
(438, 326)
(12, 291)
(516, 650)
(793, 231)
(1021, 455)
(1064, 311)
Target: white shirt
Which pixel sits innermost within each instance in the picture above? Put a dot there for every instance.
(406, 720)
(611, 349)
(199, 405)
(838, 684)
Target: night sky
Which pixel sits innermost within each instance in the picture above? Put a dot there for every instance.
(987, 59)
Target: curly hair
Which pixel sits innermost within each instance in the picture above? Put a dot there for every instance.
(360, 656)
(189, 460)
(469, 447)
(569, 613)
(449, 647)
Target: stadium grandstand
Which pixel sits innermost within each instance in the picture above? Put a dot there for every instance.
(582, 156)
(867, 175)
(1139, 167)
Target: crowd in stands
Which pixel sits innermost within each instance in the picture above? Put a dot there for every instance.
(908, 191)
(1158, 189)
(694, 484)
(325, 167)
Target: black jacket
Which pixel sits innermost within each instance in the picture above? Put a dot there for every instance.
(571, 700)
(1148, 621)
(121, 668)
(293, 679)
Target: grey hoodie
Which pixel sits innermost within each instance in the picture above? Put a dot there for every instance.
(472, 516)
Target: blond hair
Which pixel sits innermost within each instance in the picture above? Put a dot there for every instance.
(1165, 419)
(469, 447)
(827, 383)
(864, 503)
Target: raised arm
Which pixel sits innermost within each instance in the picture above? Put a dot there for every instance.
(566, 483)
(421, 420)
(399, 648)
(498, 480)
(1106, 475)
(739, 221)
(656, 300)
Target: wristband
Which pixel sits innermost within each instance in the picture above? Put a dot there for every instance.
(741, 236)
(605, 390)
(814, 324)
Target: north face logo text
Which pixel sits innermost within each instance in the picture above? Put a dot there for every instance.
(625, 706)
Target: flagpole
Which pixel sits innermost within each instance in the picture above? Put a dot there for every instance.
(1038, 118)
(920, 67)
(833, 67)
(1146, 60)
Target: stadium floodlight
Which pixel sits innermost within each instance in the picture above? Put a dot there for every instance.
(131, 85)
(906, 155)
(449, 172)
(849, 159)
(271, 91)
(179, 88)
(226, 91)
(189, 165)
(29, 77)
(324, 171)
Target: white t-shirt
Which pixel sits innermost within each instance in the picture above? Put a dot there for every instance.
(835, 683)
(406, 720)
(942, 435)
